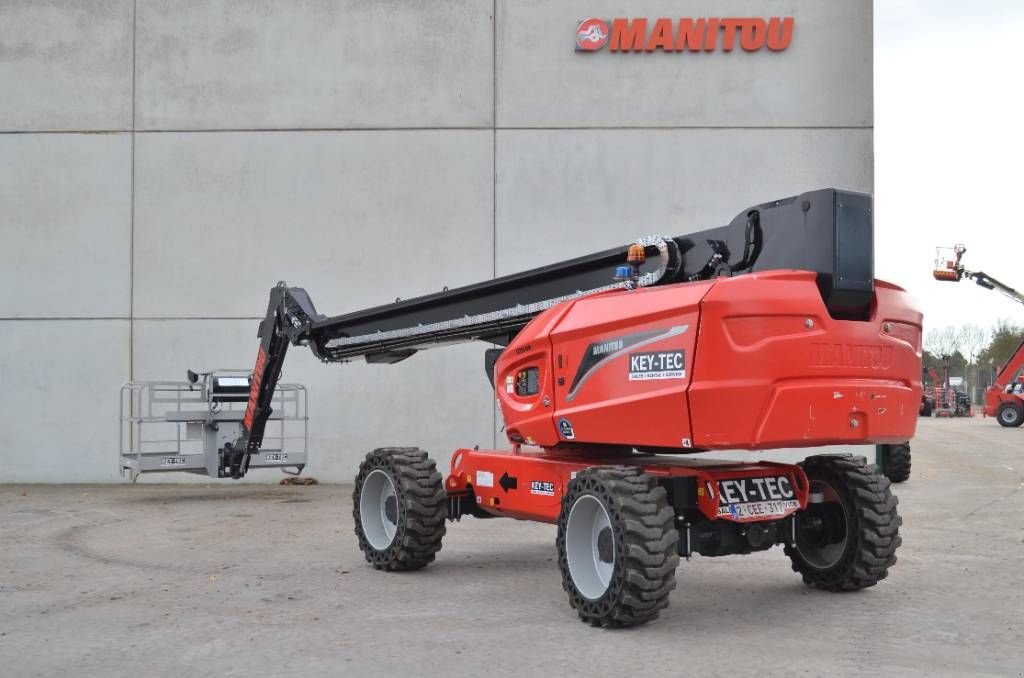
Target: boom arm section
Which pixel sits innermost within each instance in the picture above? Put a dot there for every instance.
(988, 282)
(827, 231)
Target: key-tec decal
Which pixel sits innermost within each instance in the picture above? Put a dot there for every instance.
(602, 351)
(740, 490)
(657, 365)
(756, 497)
(542, 487)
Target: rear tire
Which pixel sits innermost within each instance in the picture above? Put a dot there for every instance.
(896, 462)
(849, 541)
(399, 506)
(617, 546)
(1010, 414)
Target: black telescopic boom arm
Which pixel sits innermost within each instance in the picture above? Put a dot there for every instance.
(988, 282)
(826, 231)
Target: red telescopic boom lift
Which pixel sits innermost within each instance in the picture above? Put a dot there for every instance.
(617, 372)
(1004, 399)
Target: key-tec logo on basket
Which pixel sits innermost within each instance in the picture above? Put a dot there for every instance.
(685, 35)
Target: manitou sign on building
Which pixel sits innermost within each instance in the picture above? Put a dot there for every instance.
(685, 35)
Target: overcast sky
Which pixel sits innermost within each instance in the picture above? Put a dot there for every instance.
(949, 150)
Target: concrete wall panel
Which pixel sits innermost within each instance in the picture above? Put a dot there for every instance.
(436, 400)
(65, 65)
(65, 214)
(365, 151)
(320, 64)
(822, 79)
(357, 218)
(59, 399)
(579, 191)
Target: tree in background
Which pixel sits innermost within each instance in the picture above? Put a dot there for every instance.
(944, 341)
(1006, 337)
(949, 341)
(972, 339)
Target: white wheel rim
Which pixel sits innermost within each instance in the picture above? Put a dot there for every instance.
(378, 527)
(591, 574)
(824, 557)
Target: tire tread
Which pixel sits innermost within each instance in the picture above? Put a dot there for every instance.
(423, 503)
(876, 530)
(647, 558)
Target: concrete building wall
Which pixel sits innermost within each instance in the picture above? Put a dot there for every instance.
(163, 164)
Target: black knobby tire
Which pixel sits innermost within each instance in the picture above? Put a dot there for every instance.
(926, 409)
(872, 524)
(419, 512)
(643, 544)
(896, 462)
(1010, 414)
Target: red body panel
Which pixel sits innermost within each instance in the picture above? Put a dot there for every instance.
(529, 484)
(751, 362)
(775, 370)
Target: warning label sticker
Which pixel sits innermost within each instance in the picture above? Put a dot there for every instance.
(657, 365)
(484, 479)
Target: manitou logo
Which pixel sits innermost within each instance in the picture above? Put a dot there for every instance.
(862, 356)
(591, 35)
(685, 35)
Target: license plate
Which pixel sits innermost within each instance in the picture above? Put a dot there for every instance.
(757, 498)
(172, 461)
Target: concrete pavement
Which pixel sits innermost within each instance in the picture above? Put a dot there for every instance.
(265, 580)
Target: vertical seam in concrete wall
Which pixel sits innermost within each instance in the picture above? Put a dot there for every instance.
(494, 174)
(131, 216)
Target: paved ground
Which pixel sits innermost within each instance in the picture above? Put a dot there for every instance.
(250, 580)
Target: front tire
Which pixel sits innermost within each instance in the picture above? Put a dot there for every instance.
(399, 506)
(848, 540)
(1010, 414)
(617, 546)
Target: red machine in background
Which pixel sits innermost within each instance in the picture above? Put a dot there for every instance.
(943, 397)
(929, 392)
(1004, 399)
(768, 332)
